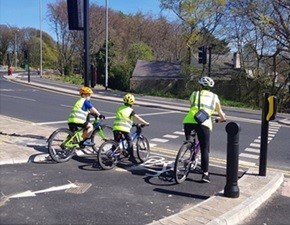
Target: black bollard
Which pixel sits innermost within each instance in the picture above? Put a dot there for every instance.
(231, 189)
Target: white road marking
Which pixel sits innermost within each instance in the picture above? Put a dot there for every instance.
(109, 117)
(170, 136)
(159, 140)
(251, 156)
(252, 150)
(33, 193)
(178, 132)
(255, 145)
(27, 99)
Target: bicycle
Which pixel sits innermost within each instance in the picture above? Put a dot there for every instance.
(111, 152)
(187, 157)
(63, 143)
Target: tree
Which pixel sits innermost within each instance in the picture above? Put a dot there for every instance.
(139, 51)
(199, 17)
(66, 40)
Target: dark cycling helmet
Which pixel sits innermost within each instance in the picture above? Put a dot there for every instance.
(129, 99)
(206, 82)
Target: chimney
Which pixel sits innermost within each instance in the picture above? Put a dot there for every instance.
(237, 60)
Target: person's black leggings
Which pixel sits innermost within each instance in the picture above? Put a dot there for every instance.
(203, 134)
(117, 137)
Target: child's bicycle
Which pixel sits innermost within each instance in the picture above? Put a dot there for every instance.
(110, 152)
(63, 143)
(187, 157)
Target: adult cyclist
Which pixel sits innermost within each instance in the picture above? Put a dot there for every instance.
(123, 123)
(79, 115)
(210, 103)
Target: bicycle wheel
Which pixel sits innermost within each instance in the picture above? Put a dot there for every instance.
(142, 148)
(182, 163)
(56, 148)
(106, 157)
(102, 134)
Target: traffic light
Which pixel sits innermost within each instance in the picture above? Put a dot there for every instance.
(202, 54)
(26, 54)
(75, 11)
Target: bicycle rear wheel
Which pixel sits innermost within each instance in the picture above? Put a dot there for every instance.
(56, 145)
(142, 148)
(182, 163)
(106, 157)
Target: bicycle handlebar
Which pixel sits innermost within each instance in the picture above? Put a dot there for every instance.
(218, 120)
(139, 125)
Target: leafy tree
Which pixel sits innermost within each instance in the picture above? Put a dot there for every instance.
(139, 51)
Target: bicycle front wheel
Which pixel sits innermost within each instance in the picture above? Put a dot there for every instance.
(182, 163)
(106, 157)
(142, 148)
(102, 134)
(56, 145)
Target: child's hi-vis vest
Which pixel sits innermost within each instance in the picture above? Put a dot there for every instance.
(123, 122)
(77, 115)
(208, 101)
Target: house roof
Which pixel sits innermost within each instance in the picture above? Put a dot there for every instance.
(157, 69)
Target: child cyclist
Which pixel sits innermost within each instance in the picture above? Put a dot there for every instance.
(79, 115)
(123, 123)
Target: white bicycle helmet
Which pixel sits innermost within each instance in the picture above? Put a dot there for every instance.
(206, 82)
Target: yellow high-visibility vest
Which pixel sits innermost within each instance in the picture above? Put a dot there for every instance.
(123, 121)
(77, 115)
(208, 101)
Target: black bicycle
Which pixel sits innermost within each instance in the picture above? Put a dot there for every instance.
(187, 157)
(63, 143)
(111, 152)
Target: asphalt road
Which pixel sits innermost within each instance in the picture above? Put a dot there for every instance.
(35, 193)
(165, 130)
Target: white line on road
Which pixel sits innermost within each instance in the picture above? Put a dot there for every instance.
(27, 99)
(178, 132)
(170, 136)
(251, 156)
(254, 150)
(33, 193)
(159, 140)
(109, 117)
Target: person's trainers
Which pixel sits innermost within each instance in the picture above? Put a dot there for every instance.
(133, 160)
(205, 178)
(88, 142)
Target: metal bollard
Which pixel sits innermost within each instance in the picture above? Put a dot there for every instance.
(231, 189)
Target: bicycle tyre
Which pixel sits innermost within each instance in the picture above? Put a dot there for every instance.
(106, 160)
(182, 163)
(142, 148)
(55, 150)
(98, 139)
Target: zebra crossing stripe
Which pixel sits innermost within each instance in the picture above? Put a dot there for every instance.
(170, 136)
(254, 150)
(255, 145)
(251, 156)
(159, 140)
(178, 132)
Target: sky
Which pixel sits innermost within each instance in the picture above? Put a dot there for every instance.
(26, 13)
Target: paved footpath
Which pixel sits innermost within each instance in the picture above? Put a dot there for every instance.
(22, 142)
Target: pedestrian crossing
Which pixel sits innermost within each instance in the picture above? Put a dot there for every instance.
(248, 156)
(251, 154)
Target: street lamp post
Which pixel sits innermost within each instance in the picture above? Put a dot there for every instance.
(107, 35)
(40, 24)
(15, 49)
